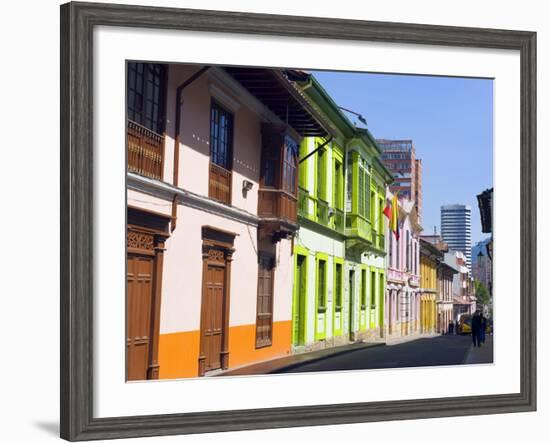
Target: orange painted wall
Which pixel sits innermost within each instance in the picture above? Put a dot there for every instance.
(242, 344)
(179, 355)
(179, 352)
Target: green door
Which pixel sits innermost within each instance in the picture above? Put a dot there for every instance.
(351, 301)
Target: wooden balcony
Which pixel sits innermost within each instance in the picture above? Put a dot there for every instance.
(276, 203)
(145, 151)
(219, 184)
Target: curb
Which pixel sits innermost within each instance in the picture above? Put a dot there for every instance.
(324, 357)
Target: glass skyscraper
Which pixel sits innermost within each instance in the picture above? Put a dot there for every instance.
(456, 229)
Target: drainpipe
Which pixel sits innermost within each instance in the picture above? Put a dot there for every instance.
(177, 132)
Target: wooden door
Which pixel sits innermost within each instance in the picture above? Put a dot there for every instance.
(264, 307)
(299, 305)
(213, 311)
(138, 308)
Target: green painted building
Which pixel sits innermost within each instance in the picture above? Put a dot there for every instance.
(339, 250)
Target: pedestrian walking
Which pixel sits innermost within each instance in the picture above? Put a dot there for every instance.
(451, 328)
(476, 329)
(456, 328)
(483, 328)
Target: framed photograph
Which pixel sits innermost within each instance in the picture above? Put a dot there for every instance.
(272, 221)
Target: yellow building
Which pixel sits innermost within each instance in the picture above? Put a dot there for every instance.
(430, 256)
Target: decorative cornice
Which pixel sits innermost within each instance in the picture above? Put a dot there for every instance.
(166, 191)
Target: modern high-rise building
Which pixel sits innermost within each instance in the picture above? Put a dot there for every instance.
(456, 229)
(399, 157)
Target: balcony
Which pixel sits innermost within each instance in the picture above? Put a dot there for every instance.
(306, 204)
(359, 232)
(380, 241)
(219, 184)
(358, 226)
(277, 210)
(276, 203)
(322, 212)
(145, 151)
(338, 220)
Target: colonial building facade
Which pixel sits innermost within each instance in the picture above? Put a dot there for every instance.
(430, 257)
(212, 215)
(464, 300)
(445, 275)
(339, 250)
(403, 293)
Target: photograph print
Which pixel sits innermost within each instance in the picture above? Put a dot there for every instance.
(290, 220)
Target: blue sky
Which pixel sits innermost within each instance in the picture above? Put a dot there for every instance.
(450, 121)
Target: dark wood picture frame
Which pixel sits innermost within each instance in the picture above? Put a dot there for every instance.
(77, 215)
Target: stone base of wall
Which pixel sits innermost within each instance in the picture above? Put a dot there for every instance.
(371, 336)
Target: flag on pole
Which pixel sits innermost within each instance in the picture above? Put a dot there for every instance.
(387, 209)
(394, 224)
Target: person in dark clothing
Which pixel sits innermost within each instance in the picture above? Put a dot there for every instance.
(482, 329)
(476, 329)
(451, 327)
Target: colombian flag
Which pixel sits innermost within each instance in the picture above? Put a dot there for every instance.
(387, 209)
(394, 223)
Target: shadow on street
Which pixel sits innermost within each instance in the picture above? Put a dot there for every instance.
(446, 350)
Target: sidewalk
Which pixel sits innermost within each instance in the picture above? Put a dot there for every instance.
(291, 361)
(481, 355)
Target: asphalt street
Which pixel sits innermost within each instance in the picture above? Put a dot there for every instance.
(438, 351)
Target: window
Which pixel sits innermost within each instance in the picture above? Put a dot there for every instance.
(364, 186)
(221, 136)
(361, 192)
(381, 216)
(363, 288)
(338, 185)
(408, 252)
(338, 287)
(289, 165)
(397, 252)
(146, 94)
(349, 186)
(321, 285)
(269, 171)
(322, 174)
(390, 248)
(264, 308)
(414, 259)
(373, 209)
(302, 168)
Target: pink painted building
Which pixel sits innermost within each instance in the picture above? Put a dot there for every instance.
(402, 301)
(212, 213)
